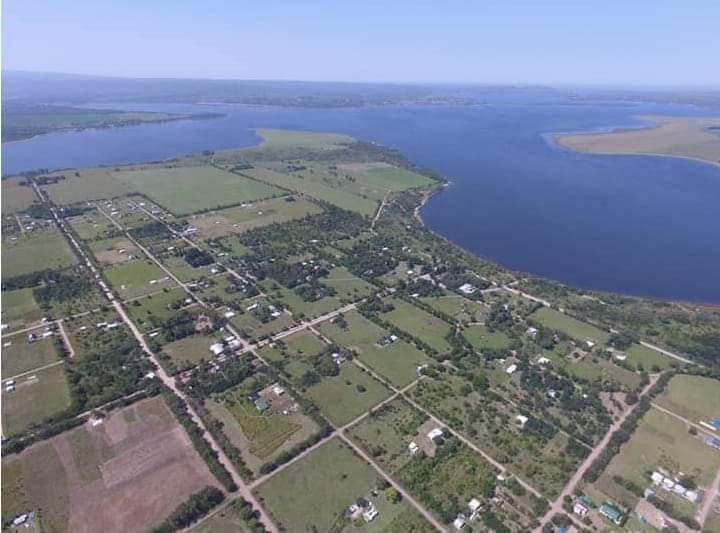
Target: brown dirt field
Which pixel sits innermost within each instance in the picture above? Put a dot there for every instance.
(126, 474)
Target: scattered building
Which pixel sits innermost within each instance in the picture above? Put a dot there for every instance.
(217, 348)
(612, 513)
(460, 521)
(580, 509)
(413, 448)
(467, 288)
(521, 420)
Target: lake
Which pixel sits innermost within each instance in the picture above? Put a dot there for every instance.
(639, 225)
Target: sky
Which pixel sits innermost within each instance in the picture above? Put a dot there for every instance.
(561, 42)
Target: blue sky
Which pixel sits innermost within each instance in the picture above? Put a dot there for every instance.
(599, 42)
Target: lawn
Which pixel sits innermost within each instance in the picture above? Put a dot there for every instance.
(311, 494)
(115, 250)
(397, 361)
(19, 308)
(46, 249)
(662, 440)
(37, 396)
(228, 520)
(16, 197)
(344, 397)
(150, 311)
(22, 356)
(696, 398)
(386, 434)
(420, 324)
(184, 190)
(92, 225)
(190, 351)
(347, 286)
(459, 308)
(481, 338)
(301, 344)
(649, 359)
(575, 329)
(126, 474)
(137, 278)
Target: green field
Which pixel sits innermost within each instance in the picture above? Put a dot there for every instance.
(37, 396)
(184, 190)
(347, 286)
(91, 184)
(420, 324)
(19, 308)
(662, 440)
(156, 307)
(648, 358)
(481, 337)
(339, 398)
(459, 308)
(397, 361)
(46, 249)
(575, 329)
(92, 225)
(132, 279)
(301, 344)
(22, 356)
(228, 520)
(385, 176)
(695, 398)
(190, 351)
(16, 197)
(311, 494)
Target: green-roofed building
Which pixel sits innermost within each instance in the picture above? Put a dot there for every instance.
(612, 513)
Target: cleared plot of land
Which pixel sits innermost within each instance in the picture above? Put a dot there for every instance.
(22, 355)
(36, 397)
(91, 184)
(137, 278)
(459, 308)
(190, 351)
(420, 324)
(347, 286)
(112, 251)
(387, 434)
(575, 329)
(19, 308)
(92, 225)
(347, 395)
(127, 474)
(240, 219)
(386, 176)
(481, 337)
(648, 358)
(313, 493)
(661, 440)
(396, 360)
(695, 398)
(248, 324)
(38, 251)
(16, 197)
(301, 344)
(184, 190)
(675, 136)
(228, 520)
(596, 369)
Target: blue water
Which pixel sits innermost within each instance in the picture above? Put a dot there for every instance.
(638, 225)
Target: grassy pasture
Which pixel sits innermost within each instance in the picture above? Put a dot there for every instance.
(37, 396)
(339, 398)
(184, 190)
(347, 286)
(22, 356)
(228, 520)
(19, 308)
(312, 493)
(662, 440)
(596, 369)
(695, 398)
(386, 176)
(638, 354)
(91, 184)
(249, 324)
(37, 251)
(301, 344)
(417, 322)
(16, 197)
(459, 308)
(91, 226)
(481, 337)
(575, 329)
(132, 279)
(397, 361)
(190, 351)
(107, 251)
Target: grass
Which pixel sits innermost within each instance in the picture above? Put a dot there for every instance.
(228, 520)
(36, 397)
(397, 361)
(155, 307)
(296, 304)
(481, 337)
(190, 351)
(19, 308)
(46, 249)
(16, 197)
(696, 398)
(347, 286)
(132, 279)
(184, 190)
(312, 493)
(339, 398)
(575, 329)
(596, 369)
(420, 324)
(386, 434)
(107, 251)
(22, 356)
(459, 308)
(89, 185)
(386, 176)
(265, 431)
(662, 440)
(639, 355)
(301, 344)
(91, 226)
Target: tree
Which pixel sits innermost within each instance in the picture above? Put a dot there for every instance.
(393, 496)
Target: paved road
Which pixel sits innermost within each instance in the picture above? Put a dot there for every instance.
(569, 489)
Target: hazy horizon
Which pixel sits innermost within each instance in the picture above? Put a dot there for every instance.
(643, 44)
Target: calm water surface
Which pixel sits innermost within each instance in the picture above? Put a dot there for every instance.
(632, 224)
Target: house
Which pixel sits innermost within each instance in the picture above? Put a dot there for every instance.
(531, 332)
(278, 390)
(413, 448)
(580, 509)
(217, 348)
(657, 478)
(229, 314)
(512, 368)
(521, 420)
(467, 288)
(474, 507)
(459, 521)
(612, 513)
(370, 514)
(543, 361)
(691, 496)
(434, 434)
(262, 405)
(590, 344)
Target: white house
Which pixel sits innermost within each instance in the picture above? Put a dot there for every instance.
(467, 288)
(521, 420)
(579, 509)
(413, 448)
(437, 432)
(217, 348)
(512, 368)
(459, 521)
